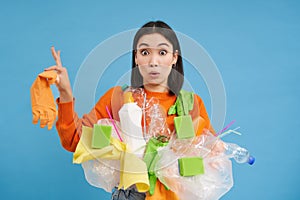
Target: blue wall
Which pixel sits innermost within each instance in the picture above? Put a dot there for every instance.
(255, 45)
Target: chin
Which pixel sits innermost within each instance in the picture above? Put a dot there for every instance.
(156, 84)
(152, 84)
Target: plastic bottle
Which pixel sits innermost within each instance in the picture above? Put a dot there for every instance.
(130, 119)
(240, 155)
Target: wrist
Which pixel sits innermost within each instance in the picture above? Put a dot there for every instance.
(65, 96)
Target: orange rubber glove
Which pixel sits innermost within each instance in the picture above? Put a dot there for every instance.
(42, 99)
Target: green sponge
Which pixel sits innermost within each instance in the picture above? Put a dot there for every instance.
(184, 127)
(101, 136)
(191, 166)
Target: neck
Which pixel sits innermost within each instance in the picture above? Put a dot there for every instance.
(156, 88)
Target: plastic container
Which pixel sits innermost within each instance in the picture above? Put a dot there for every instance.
(240, 155)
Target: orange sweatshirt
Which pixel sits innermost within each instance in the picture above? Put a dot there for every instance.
(69, 124)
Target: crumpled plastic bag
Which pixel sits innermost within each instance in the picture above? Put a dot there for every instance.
(213, 184)
(156, 118)
(102, 173)
(107, 167)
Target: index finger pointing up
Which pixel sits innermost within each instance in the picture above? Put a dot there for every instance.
(56, 56)
(53, 53)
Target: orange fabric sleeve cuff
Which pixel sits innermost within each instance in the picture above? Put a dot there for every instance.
(63, 108)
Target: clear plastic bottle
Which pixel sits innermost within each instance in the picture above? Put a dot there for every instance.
(240, 155)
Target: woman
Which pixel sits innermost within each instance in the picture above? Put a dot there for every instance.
(157, 68)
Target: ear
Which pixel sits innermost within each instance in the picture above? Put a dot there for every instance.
(175, 57)
(135, 59)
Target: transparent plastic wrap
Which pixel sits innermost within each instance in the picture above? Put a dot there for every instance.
(217, 178)
(103, 173)
(154, 118)
(138, 95)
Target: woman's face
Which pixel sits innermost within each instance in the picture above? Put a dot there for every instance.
(155, 57)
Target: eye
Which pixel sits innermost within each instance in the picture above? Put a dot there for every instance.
(144, 52)
(163, 52)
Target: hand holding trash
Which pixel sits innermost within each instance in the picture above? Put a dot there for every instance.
(42, 99)
(63, 83)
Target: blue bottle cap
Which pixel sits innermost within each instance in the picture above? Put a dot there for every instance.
(251, 160)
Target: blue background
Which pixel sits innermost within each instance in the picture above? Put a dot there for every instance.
(255, 45)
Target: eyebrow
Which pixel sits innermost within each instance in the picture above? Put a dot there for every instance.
(161, 44)
(144, 44)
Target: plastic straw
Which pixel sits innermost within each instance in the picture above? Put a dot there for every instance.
(113, 122)
(229, 131)
(224, 129)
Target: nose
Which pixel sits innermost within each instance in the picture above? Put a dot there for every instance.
(153, 61)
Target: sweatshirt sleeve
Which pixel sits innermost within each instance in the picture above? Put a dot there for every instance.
(199, 111)
(69, 125)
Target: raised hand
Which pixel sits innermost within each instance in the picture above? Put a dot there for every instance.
(63, 83)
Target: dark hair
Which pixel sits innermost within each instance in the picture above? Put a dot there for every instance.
(176, 77)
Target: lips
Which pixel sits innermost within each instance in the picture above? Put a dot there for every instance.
(153, 73)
